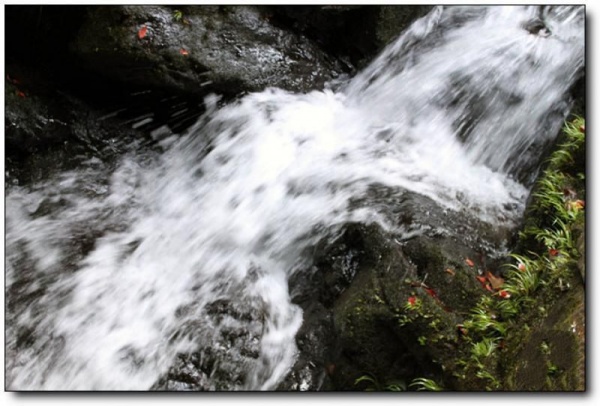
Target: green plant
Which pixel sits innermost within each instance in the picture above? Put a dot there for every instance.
(177, 15)
(523, 277)
(375, 385)
(552, 369)
(484, 348)
(370, 380)
(424, 384)
(484, 321)
(493, 383)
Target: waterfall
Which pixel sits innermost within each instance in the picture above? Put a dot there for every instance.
(114, 268)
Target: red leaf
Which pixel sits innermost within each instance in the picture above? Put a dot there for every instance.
(552, 252)
(430, 292)
(582, 128)
(142, 32)
(504, 294)
(522, 267)
(469, 262)
(412, 300)
(488, 287)
(183, 52)
(20, 94)
(481, 279)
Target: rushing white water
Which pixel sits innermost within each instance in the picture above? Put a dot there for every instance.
(192, 248)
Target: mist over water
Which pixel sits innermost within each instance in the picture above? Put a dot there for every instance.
(113, 269)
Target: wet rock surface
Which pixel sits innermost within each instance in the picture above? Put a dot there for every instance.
(357, 317)
(355, 33)
(225, 49)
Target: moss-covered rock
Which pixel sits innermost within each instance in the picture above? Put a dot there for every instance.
(390, 323)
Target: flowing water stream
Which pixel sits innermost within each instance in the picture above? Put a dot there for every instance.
(114, 268)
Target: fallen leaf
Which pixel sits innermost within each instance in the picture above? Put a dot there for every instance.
(450, 271)
(504, 294)
(412, 300)
(20, 94)
(488, 287)
(469, 262)
(430, 292)
(582, 128)
(495, 281)
(553, 252)
(142, 32)
(522, 267)
(183, 51)
(580, 204)
(481, 279)
(461, 329)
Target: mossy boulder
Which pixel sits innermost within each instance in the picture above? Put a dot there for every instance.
(390, 323)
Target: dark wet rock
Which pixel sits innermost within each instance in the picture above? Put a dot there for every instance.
(357, 317)
(537, 27)
(376, 335)
(48, 131)
(31, 123)
(355, 33)
(224, 48)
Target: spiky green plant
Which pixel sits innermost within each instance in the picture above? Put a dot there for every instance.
(424, 384)
(484, 348)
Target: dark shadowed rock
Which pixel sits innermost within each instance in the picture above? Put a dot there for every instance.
(355, 33)
(226, 48)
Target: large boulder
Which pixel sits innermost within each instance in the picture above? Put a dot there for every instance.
(227, 49)
(355, 33)
(389, 309)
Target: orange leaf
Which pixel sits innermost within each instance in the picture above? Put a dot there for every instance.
(183, 51)
(142, 32)
(488, 287)
(481, 279)
(20, 94)
(522, 267)
(450, 271)
(496, 281)
(582, 128)
(469, 262)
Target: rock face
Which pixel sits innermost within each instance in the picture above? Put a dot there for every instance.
(227, 49)
(388, 309)
(352, 32)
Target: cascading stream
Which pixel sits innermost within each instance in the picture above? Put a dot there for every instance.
(112, 270)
